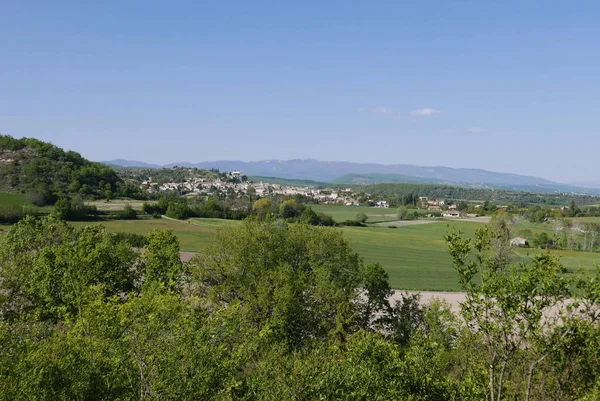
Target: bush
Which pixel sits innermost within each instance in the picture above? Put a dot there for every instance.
(127, 213)
(353, 223)
(135, 240)
(10, 213)
(178, 211)
(361, 217)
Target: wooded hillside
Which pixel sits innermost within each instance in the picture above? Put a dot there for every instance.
(45, 172)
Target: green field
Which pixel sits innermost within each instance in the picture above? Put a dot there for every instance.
(193, 236)
(342, 213)
(587, 219)
(414, 256)
(12, 199)
(117, 204)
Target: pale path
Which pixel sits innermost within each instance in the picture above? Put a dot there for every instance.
(404, 223)
(452, 298)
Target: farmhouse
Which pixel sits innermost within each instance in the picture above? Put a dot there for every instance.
(518, 241)
(451, 213)
(382, 204)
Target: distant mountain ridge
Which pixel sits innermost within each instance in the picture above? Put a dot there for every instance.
(369, 173)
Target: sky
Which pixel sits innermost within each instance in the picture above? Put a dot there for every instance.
(508, 86)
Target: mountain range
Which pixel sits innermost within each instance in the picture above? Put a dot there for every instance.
(372, 173)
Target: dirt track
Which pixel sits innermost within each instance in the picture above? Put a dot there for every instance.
(404, 223)
(452, 298)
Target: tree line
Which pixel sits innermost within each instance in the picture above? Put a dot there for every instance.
(408, 194)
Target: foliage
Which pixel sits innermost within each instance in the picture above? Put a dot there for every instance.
(408, 194)
(277, 311)
(126, 214)
(47, 173)
(522, 314)
(293, 283)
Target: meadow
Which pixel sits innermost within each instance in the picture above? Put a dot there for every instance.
(342, 213)
(11, 199)
(117, 204)
(193, 236)
(415, 256)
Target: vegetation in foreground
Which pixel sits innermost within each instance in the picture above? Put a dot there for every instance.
(277, 311)
(414, 257)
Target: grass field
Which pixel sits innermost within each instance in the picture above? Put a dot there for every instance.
(193, 236)
(587, 219)
(415, 256)
(12, 199)
(342, 213)
(117, 204)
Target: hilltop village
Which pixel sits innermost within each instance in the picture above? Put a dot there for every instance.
(206, 183)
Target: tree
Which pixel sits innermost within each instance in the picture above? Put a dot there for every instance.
(541, 240)
(263, 207)
(127, 213)
(62, 209)
(506, 307)
(161, 260)
(499, 234)
(47, 266)
(361, 217)
(462, 206)
(288, 209)
(402, 213)
(293, 283)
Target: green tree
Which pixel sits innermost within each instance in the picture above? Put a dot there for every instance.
(161, 260)
(46, 267)
(506, 306)
(288, 209)
(361, 217)
(292, 282)
(263, 207)
(62, 209)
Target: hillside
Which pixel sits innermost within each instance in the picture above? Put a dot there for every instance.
(45, 172)
(373, 173)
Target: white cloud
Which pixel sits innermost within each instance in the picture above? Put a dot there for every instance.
(424, 112)
(376, 110)
(477, 130)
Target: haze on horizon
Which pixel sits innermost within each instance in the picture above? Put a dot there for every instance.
(506, 86)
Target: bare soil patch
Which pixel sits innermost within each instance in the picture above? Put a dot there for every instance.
(187, 256)
(480, 219)
(451, 298)
(404, 223)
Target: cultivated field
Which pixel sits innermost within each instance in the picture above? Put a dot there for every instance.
(11, 199)
(193, 236)
(117, 204)
(342, 213)
(18, 200)
(587, 219)
(413, 252)
(416, 256)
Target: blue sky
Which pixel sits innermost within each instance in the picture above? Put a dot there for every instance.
(508, 86)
